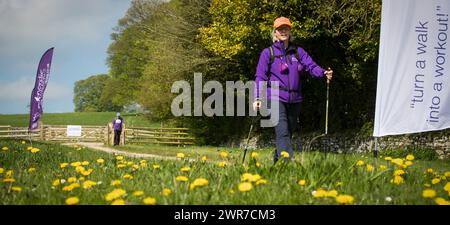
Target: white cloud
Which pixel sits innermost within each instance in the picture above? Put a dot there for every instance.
(21, 90)
(27, 22)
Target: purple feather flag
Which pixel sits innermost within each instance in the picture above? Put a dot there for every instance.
(37, 96)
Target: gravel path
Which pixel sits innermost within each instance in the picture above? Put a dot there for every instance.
(103, 148)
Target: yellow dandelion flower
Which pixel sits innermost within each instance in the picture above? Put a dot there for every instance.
(388, 158)
(87, 172)
(16, 189)
(72, 201)
(149, 201)
(261, 181)
(429, 193)
(180, 155)
(397, 161)
(344, 199)
(222, 164)
(127, 176)
(63, 165)
(369, 168)
(89, 184)
(447, 174)
(1, 170)
(441, 201)
(410, 157)
(5, 148)
(75, 164)
(9, 180)
(72, 179)
(223, 154)
(246, 177)
(34, 150)
(430, 170)
(156, 166)
(85, 163)
(258, 164)
(118, 202)
(119, 158)
(199, 182)
(435, 180)
(9, 173)
(254, 155)
(244, 187)
(398, 180)
(447, 186)
(204, 158)
(115, 194)
(100, 161)
(32, 169)
(302, 182)
(70, 187)
(332, 193)
(143, 161)
(166, 192)
(181, 178)
(320, 193)
(408, 163)
(81, 179)
(138, 193)
(121, 165)
(185, 169)
(116, 182)
(143, 164)
(360, 163)
(23, 142)
(56, 182)
(29, 148)
(399, 172)
(383, 167)
(130, 163)
(285, 154)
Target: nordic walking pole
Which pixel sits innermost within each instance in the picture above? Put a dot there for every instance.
(326, 109)
(248, 138)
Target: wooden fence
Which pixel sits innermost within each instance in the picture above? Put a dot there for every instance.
(177, 136)
(105, 134)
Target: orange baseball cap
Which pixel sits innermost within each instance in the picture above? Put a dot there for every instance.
(280, 21)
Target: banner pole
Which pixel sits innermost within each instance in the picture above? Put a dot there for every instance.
(375, 150)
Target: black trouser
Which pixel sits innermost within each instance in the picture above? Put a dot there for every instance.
(117, 137)
(287, 125)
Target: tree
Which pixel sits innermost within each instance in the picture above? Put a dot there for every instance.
(89, 95)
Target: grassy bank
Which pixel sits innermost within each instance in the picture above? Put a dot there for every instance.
(54, 174)
(77, 118)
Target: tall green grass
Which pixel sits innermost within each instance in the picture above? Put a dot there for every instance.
(320, 171)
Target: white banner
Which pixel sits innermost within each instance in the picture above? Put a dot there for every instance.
(73, 131)
(413, 89)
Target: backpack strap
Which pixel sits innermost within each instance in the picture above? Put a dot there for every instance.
(271, 59)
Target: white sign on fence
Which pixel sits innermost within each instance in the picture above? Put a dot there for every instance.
(73, 131)
(413, 89)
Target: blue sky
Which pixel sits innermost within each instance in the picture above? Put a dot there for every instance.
(78, 29)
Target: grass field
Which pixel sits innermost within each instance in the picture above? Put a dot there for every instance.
(55, 174)
(77, 118)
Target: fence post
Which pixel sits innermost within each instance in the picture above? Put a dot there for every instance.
(106, 135)
(41, 131)
(122, 135)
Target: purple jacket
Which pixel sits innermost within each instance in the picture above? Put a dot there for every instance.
(288, 79)
(117, 123)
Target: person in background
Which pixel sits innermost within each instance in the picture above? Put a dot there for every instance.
(284, 62)
(117, 125)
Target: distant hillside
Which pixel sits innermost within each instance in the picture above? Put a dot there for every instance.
(78, 118)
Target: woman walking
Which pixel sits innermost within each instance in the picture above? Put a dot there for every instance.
(283, 62)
